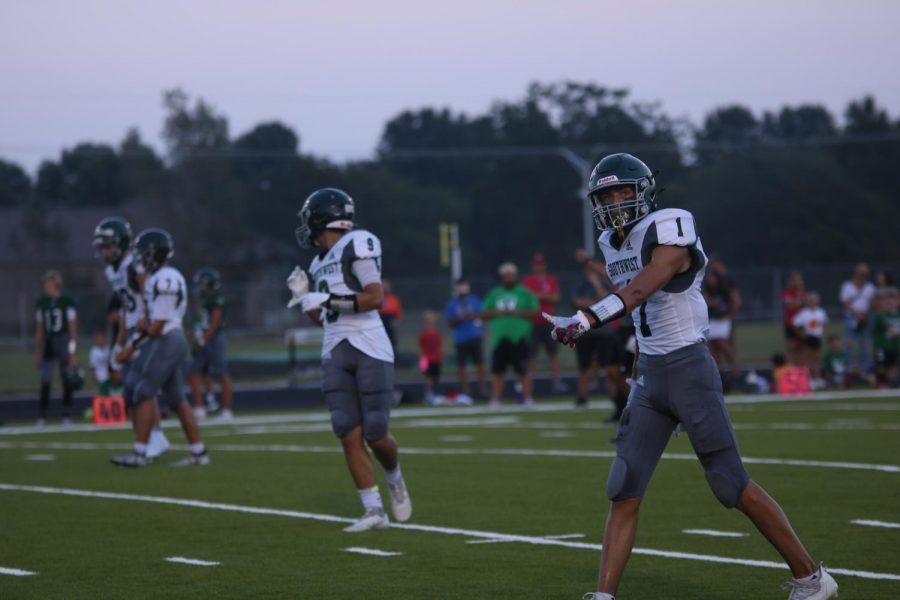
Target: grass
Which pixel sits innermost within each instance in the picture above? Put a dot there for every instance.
(96, 547)
(756, 342)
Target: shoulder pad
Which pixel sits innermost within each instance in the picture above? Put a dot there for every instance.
(365, 244)
(674, 227)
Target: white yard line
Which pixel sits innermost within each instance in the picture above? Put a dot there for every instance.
(715, 533)
(508, 409)
(15, 572)
(469, 533)
(547, 452)
(871, 523)
(192, 561)
(40, 457)
(371, 551)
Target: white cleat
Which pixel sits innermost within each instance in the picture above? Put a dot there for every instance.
(494, 405)
(822, 587)
(401, 505)
(225, 416)
(157, 445)
(211, 404)
(199, 412)
(133, 460)
(374, 518)
(598, 596)
(192, 460)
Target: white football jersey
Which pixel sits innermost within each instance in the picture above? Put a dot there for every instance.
(332, 272)
(675, 316)
(124, 284)
(165, 293)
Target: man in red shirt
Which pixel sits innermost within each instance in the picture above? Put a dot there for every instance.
(431, 355)
(791, 303)
(546, 288)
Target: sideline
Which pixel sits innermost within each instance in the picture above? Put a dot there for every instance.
(399, 413)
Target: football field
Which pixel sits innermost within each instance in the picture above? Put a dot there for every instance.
(508, 504)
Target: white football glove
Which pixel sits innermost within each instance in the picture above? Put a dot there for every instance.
(313, 300)
(567, 330)
(298, 283)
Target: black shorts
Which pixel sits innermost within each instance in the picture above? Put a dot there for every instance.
(510, 354)
(607, 349)
(433, 370)
(540, 337)
(886, 358)
(791, 334)
(469, 351)
(813, 342)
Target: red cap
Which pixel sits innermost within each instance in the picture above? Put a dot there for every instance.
(538, 259)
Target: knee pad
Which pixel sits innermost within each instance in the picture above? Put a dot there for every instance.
(376, 418)
(725, 475)
(142, 391)
(342, 423)
(615, 483)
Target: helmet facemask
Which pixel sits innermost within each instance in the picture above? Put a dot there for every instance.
(107, 249)
(621, 215)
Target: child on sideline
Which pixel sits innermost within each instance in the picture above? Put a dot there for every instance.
(431, 356)
(810, 324)
(835, 362)
(886, 337)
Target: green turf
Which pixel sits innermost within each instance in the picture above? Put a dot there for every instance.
(93, 547)
(756, 342)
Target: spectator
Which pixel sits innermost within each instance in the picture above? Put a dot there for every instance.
(884, 283)
(55, 339)
(723, 299)
(856, 297)
(792, 297)
(603, 345)
(99, 361)
(431, 353)
(836, 362)
(391, 312)
(545, 287)
(463, 315)
(810, 323)
(510, 307)
(886, 334)
(779, 366)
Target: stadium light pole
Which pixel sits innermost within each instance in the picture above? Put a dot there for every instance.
(583, 168)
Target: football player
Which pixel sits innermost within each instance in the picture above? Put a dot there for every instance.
(357, 356)
(126, 276)
(162, 339)
(656, 262)
(209, 342)
(55, 339)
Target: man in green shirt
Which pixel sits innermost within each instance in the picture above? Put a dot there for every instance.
(886, 337)
(510, 308)
(209, 342)
(55, 339)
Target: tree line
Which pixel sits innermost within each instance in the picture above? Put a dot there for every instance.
(787, 187)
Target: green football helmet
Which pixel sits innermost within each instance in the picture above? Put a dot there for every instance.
(207, 279)
(619, 170)
(74, 379)
(154, 246)
(327, 208)
(112, 238)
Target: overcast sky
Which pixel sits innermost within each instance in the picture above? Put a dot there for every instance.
(86, 70)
